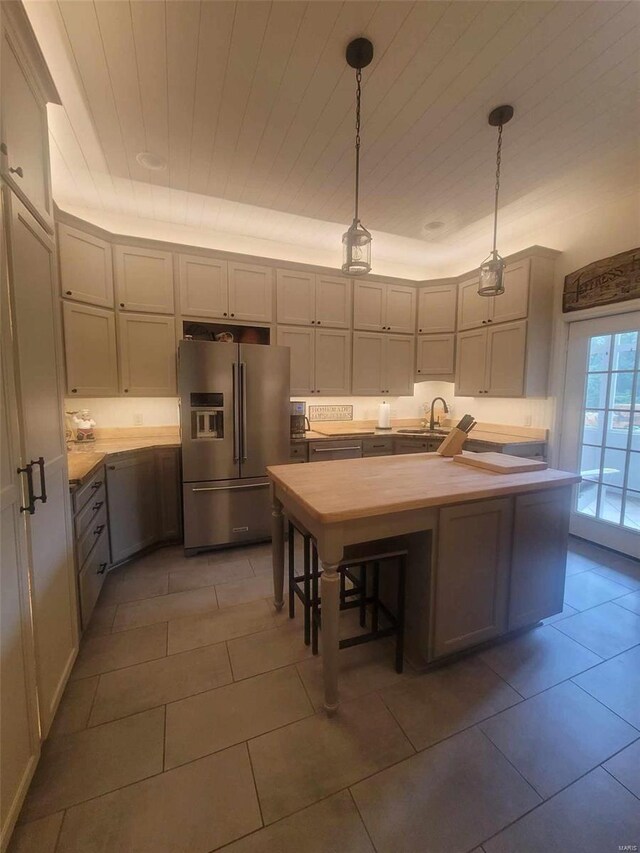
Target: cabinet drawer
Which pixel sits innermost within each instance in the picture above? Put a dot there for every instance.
(88, 490)
(89, 511)
(298, 452)
(89, 538)
(92, 577)
(324, 451)
(377, 446)
(413, 446)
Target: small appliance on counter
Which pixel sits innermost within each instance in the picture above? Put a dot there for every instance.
(298, 419)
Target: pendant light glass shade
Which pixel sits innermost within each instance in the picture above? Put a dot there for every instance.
(356, 249)
(356, 240)
(491, 278)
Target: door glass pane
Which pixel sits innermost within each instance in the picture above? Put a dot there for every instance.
(610, 441)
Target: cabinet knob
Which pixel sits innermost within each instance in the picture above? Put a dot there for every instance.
(489, 321)
(126, 390)
(74, 390)
(419, 330)
(225, 314)
(111, 467)
(68, 293)
(317, 322)
(17, 171)
(122, 304)
(312, 322)
(232, 314)
(419, 371)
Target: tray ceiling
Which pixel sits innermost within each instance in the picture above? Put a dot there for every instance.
(251, 106)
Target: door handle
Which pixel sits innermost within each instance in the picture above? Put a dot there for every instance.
(98, 530)
(243, 383)
(28, 470)
(230, 488)
(43, 483)
(236, 418)
(102, 568)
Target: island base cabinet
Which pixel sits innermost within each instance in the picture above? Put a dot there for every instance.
(541, 532)
(471, 581)
(132, 497)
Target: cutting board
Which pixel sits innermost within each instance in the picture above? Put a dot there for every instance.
(500, 463)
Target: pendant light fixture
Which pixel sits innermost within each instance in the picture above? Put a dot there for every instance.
(491, 281)
(356, 241)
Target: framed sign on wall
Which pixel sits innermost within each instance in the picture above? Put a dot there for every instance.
(603, 282)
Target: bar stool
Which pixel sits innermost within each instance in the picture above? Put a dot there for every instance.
(358, 596)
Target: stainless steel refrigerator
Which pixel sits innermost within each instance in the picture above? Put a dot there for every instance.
(234, 420)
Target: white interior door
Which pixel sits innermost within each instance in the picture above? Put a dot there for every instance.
(601, 430)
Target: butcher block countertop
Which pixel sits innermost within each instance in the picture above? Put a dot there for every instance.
(83, 459)
(339, 491)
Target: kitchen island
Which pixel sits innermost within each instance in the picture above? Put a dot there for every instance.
(487, 550)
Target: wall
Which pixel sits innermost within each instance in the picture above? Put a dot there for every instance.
(121, 411)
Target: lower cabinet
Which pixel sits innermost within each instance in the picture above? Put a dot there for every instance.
(539, 559)
(415, 445)
(91, 540)
(470, 587)
(143, 497)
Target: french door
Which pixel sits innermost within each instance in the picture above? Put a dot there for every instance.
(601, 430)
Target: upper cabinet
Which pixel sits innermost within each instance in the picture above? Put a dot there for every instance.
(382, 364)
(250, 292)
(435, 356)
(90, 350)
(384, 307)
(307, 299)
(144, 279)
(320, 360)
(437, 309)
(147, 348)
(24, 143)
(204, 290)
(492, 361)
(86, 270)
(475, 310)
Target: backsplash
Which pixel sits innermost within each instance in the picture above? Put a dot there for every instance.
(128, 411)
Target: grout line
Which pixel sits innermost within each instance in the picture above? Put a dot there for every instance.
(600, 702)
(255, 784)
(58, 836)
(615, 778)
(362, 820)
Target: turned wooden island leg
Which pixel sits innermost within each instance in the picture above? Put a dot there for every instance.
(330, 596)
(277, 551)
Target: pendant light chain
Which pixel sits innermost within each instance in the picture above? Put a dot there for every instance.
(358, 97)
(495, 211)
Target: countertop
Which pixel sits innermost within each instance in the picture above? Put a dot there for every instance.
(339, 491)
(483, 435)
(85, 458)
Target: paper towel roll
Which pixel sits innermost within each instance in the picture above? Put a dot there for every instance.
(384, 416)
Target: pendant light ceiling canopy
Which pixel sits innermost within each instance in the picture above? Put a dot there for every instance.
(491, 280)
(356, 241)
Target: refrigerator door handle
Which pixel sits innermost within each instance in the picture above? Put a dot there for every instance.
(230, 488)
(236, 414)
(243, 382)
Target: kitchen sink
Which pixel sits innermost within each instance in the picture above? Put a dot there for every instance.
(430, 432)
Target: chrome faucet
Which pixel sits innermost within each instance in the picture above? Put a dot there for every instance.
(432, 422)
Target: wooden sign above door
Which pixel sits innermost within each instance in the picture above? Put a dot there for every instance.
(604, 282)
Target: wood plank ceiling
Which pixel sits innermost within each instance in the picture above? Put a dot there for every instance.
(251, 106)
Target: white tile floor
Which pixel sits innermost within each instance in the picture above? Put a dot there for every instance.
(192, 723)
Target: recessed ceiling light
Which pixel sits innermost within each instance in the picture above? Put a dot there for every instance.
(151, 161)
(434, 226)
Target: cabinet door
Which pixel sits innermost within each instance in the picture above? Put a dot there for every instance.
(471, 581)
(251, 293)
(473, 309)
(169, 492)
(86, 270)
(296, 297)
(333, 302)
(540, 536)
(144, 279)
(25, 158)
(437, 308)
(90, 350)
(133, 504)
(368, 364)
(203, 286)
(147, 348)
(399, 367)
(435, 356)
(32, 276)
(19, 738)
(513, 304)
(301, 342)
(400, 309)
(470, 363)
(506, 353)
(402, 446)
(369, 305)
(333, 362)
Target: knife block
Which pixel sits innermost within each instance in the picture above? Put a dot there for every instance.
(452, 445)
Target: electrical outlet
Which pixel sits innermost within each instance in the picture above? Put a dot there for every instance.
(137, 419)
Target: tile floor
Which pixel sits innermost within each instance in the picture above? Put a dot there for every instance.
(192, 722)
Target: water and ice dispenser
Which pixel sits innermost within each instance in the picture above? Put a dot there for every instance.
(207, 415)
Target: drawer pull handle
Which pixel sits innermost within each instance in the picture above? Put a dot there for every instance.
(97, 484)
(333, 449)
(97, 506)
(43, 483)
(102, 569)
(98, 530)
(31, 506)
